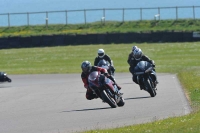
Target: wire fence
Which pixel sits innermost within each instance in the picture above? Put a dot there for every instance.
(98, 15)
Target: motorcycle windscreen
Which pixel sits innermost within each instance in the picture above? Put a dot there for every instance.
(142, 66)
(93, 78)
(104, 64)
(105, 67)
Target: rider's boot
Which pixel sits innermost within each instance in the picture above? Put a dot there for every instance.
(141, 87)
(156, 82)
(119, 87)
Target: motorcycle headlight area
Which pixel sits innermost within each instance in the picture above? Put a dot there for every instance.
(93, 76)
(149, 69)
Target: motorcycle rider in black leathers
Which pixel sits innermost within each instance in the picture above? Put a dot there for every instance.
(87, 68)
(102, 55)
(130, 56)
(134, 57)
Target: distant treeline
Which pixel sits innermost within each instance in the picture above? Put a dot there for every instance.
(107, 38)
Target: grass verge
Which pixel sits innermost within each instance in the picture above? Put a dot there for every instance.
(98, 27)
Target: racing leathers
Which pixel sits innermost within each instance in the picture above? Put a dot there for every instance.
(106, 58)
(133, 62)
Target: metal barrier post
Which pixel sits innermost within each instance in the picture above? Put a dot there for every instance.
(102, 20)
(123, 15)
(193, 12)
(104, 15)
(176, 13)
(66, 16)
(8, 20)
(27, 18)
(85, 15)
(46, 19)
(159, 12)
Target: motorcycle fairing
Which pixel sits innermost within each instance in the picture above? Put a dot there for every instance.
(142, 66)
(109, 83)
(103, 63)
(96, 79)
(106, 65)
(93, 79)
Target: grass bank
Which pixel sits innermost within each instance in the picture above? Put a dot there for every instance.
(98, 27)
(180, 58)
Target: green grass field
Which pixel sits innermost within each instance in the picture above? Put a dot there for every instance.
(98, 27)
(179, 58)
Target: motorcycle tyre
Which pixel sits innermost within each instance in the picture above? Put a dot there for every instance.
(9, 80)
(108, 99)
(150, 89)
(121, 102)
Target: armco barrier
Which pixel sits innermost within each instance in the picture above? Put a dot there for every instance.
(107, 38)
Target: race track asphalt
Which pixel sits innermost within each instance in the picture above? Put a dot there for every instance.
(56, 103)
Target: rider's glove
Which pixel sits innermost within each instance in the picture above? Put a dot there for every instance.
(106, 74)
(153, 63)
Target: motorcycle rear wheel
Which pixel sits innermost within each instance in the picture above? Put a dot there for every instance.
(108, 99)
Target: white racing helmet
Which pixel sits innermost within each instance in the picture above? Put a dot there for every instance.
(101, 53)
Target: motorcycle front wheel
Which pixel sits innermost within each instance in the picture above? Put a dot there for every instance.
(108, 99)
(9, 80)
(121, 102)
(149, 88)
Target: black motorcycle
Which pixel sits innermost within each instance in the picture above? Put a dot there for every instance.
(4, 77)
(146, 77)
(105, 64)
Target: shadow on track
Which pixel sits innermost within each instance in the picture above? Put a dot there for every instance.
(4, 86)
(136, 98)
(88, 109)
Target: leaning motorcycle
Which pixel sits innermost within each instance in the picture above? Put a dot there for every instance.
(4, 77)
(146, 77)
(105, 64)
(105, 89)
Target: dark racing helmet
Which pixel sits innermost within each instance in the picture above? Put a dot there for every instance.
(86, 66)
(137, 53)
